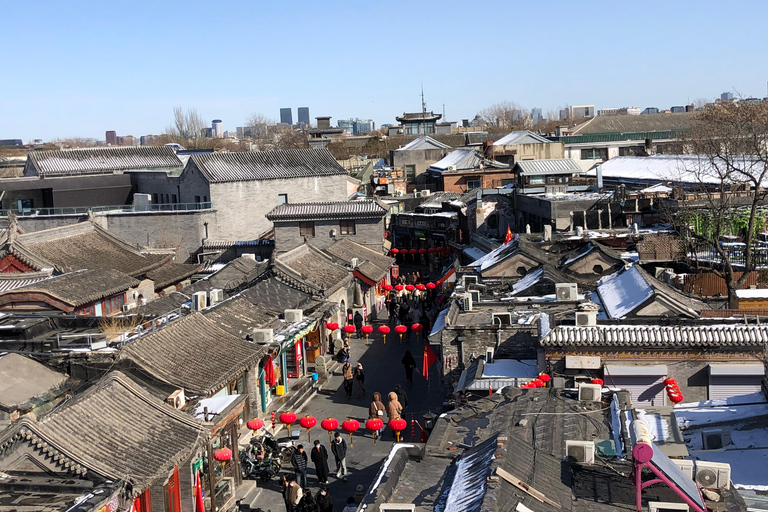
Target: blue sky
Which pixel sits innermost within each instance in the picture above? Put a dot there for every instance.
(81, 68)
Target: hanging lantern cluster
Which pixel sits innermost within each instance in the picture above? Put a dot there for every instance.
(401, 329)
(673, 391)
(398, 426)
(384, 330)
(539, 382)
(599, 382)
(308, 422)
(350, 426)
(373, 426)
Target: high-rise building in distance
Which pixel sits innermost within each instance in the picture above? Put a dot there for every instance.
(217, 128)
(286, 116)
(111, 138)
(536, 116)
(304, 116)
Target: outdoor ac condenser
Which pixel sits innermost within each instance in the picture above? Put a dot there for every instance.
(582, 452)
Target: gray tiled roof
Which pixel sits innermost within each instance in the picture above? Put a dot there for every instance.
(311, 266)
(24, 380)
(267, 165)
(374, 265)
(100, 160)
(554, 166)
(114, 429)
(655, 336)
(363, 209)
(193, 353)
(640, 123)
(276, 296)
(171, 273)
(239, 316)
(79, 287)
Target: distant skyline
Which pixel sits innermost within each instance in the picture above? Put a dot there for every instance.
(78, 69)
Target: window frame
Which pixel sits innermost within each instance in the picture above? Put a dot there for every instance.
(345, 225)
(479, 184)
(307, 226)
(282, 199)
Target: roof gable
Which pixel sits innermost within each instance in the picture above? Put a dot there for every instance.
(552, 166)
(521, 137)
(266, 165)
(100, 160)
(423, 142)
(363, 209)
(77, 288)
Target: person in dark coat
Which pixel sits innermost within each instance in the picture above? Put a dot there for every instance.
(331, 344)
(324, 500)
(358, 324)
(409, 363)
(339, 449)
(299, 463)
(320, 460)
(402, 397)
(307, 503)
(404, 313)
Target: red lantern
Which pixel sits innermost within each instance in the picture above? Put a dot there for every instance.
(395, 250)
(367, 330)
(308, 422)
(388, 287)
(384, 330)
(399, 287)
(350, 426)
(288, 418)
(417, 328)
(431, 250)
(349, 329)
(332, 326)
(254, 424)
(398, 426)
(401, 329)
(422, 251)
(597, 381)
(431, 286)
(669, 381)
(676, 399)
(223, 455)
(544, 377)
(329, 424)
(410, 287)
(421, 287)
(374, 426)
(413, 251)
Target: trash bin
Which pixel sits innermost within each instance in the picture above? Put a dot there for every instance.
(314, 377)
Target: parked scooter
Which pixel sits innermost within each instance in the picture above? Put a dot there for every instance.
(262, 468)
(270, 448)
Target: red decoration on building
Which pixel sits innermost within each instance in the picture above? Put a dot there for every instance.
(669, 381)
(222, 455)
(254, 424)
(596, 381)
(544, 377)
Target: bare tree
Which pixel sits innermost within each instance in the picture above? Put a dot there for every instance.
(502, 114)
(700, 103)
(731, 141)
(258, 126)
(187, 126)
(75, 142)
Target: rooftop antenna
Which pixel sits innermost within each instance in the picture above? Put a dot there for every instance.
(423, 103)
(443, 111)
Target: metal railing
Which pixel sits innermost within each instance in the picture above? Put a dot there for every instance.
(80, 210)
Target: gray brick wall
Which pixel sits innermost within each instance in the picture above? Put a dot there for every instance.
(368, 232)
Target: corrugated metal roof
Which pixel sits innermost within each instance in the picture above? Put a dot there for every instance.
(329, 210)
(267, 165)
(464, 159)
(554, 166)
(100, 160)
(620, 136)
(639, 123)
(651, 336)
(521, 137)
(423, 142)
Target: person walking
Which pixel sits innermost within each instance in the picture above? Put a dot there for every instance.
(409, 363)
(320, 460)
(308, 503)
(394, 408)
(346, 371)
(392, 307)
(377, 409)
(284, 491)
(339, 449)
(331, 345)
(360, 378)
(403, 314)
(292, 495)
(402, 397)
(358, 325)
(299, 463)
(416, 315)
(351, 505)
(324, 500)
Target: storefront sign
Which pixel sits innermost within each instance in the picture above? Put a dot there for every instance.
(395, 271)
(111, 505)
(582, 362)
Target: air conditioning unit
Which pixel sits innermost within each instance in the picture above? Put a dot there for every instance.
(176, 399)
(451, 167)
(215, 296)
(686, 466)
(586, 318)
(590, 392)
(263, 336)
(475, 294)
(666, 506)
(582, 452)
(199, 301)
(501, 318)
(128, 307)
(417, 194)
(468, 280)
(715, 439)
(567, 291)
(466, 303)
(713, 475)
(355, 262)
(426, 192)
(294, 315)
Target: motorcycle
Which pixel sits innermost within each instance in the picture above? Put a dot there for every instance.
(270, 448)
(262, 468)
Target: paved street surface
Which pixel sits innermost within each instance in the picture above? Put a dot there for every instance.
(383, 371)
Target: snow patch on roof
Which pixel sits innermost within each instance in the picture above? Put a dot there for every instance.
(623, 292)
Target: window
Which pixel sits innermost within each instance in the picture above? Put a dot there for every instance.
(472, 184)
(154, 198)
(173, 198)
(205, 199)
(507, 181)
(347, 227)
(197, 199)
(594, 154)
(632, 151)
(307, 229)
(282, 198)
(410, 172)
(537, 180)
(114, 304)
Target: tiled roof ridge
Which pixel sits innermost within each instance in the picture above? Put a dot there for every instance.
(39, 286)
(708, 334)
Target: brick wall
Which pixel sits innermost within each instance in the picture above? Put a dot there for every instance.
(368, 232)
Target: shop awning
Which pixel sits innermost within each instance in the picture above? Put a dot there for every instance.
(638, 370)
(449, 277)
(736, 369)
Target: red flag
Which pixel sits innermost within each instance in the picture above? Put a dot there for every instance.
(508, 238)
(429, 359)
(199, 505)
